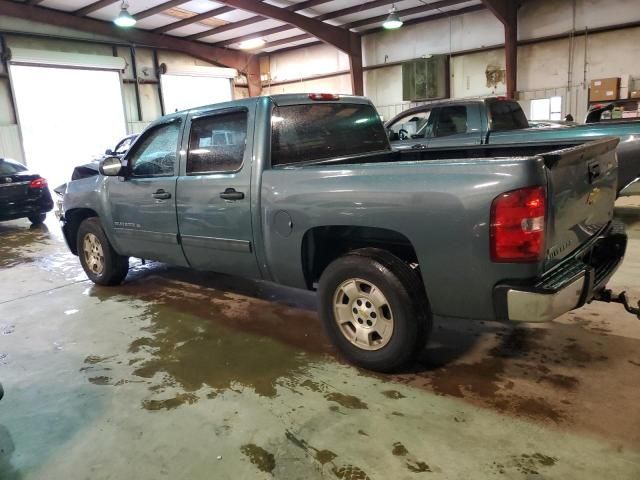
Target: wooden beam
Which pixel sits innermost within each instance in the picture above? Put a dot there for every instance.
(406, 12)
(195, 19)
(209, 53)
(158, 9)
(92, 7)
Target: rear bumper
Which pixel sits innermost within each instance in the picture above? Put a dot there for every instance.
(26, 208)
(567, 286)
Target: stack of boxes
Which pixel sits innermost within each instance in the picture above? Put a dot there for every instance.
(608, 90)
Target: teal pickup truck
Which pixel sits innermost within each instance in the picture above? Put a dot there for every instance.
(305, 191)
(498, 120)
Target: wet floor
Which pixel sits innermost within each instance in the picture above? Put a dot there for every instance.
(190, 375)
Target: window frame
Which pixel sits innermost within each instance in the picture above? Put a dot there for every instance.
(208, 114)
(143, 136)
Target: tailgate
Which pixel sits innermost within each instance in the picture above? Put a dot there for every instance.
(581, 191)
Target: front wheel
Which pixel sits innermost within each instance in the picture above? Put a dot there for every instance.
(38, 219)
(100, 261)
(374, 309)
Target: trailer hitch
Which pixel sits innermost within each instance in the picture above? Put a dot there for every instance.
(607, 296)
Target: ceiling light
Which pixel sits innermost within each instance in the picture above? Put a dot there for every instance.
(124, 19)
(252, 43)
(393, 20)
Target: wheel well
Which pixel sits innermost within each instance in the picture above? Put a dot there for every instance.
(322, 245)
(73, 220)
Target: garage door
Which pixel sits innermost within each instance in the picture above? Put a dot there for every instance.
(184, 88)
(70, 108)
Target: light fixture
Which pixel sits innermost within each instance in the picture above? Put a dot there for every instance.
(393, 20)
(124, 18)
(252, 43)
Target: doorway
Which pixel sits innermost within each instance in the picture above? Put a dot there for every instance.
(67, 116)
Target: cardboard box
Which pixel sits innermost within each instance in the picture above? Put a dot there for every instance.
(604, 90)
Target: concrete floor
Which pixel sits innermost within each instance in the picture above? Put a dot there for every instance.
(199, 376)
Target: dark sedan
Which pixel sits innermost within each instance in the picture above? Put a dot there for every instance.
(23, 194)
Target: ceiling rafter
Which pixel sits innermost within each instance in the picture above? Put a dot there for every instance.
(92, 7)
(227, 27)
(158, 9)
(406, 12)
(336, 36)
(221, 56)
(195, 19)
(243, 23)
(340, 13)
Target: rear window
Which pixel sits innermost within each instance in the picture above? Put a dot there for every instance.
(9, 168)
(303, 133)
(507, 116)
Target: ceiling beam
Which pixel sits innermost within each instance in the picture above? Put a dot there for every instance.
(34, 2)
(195, 19)
(336, 36)
(227, 27)
(503, 10)
(158, 9)
(406, 12)
(325, 16)
(92, 7)
(284, 41)
(209, 53)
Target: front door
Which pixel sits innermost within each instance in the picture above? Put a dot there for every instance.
(456, 125)
(214, 207)
(143, 203)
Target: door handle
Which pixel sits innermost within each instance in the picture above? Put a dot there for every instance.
(232, 194)
(161, 195)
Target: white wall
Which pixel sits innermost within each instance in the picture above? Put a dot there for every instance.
(543, 68)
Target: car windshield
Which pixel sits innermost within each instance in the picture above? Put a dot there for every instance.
(10, 168)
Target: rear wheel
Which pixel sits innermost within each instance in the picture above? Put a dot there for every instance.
(374, 309)
(38, 219)
(100, 261)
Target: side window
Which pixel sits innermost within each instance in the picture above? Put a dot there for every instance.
(452, 121)
(155, 155)
(507, 116)
(413, 125)
(217, 143)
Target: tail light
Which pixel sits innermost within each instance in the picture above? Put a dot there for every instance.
(38, 184)
(517, 225)
(324, 96)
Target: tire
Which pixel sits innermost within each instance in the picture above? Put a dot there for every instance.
(373, 346)
(100, 261)
(38, 219)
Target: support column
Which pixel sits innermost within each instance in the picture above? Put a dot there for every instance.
(355, 64)
(511, 53)
(253, 76)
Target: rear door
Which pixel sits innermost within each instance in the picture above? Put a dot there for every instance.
(143, 208)
(214, 209)
(456, 125)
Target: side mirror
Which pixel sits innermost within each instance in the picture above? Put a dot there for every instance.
(111, 167)
(108, 151)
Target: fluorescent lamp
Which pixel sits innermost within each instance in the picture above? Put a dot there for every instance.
(393, 20)
(124, 18)
(252, 43)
